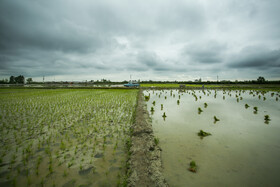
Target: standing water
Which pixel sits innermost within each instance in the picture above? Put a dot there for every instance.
(243, 149)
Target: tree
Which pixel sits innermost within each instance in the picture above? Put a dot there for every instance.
(261, 79)
(19, 79)
(29, 80)
(12, 80)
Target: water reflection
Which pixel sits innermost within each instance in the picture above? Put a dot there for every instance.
(240, 151)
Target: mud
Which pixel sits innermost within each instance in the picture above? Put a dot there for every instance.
(145, 165)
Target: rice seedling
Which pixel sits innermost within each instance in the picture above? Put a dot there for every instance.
(156, 140)
(203, 134)
(255, 110)
(216, 119)
(246, 106)
(199, 110)
(205, 105)
(147, 97)
(193, 167)
(164, 115)
(266, 119)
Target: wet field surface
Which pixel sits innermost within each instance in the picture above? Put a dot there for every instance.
(243, 148)
(64, 137)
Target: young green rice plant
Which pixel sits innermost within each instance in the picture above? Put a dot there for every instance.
(161, 106)
(192, 167)
(205, 105)
(255, 110)
(70, 164)
(156, 140)
(246, 106)
(202, 134)
(152, 110)
(42, 181)
(50, 168)
(147, 97)
(216, 119)
(28, 180)
(154, 103)
(266, 119)
(164, 115)
(178, 102)
(199, 110)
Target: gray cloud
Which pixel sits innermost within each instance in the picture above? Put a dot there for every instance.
(168, 39)
(208, 52)
(256, 57)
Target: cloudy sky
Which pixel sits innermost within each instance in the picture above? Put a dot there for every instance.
(148, 39)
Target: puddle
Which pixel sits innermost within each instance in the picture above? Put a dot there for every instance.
(242, 151)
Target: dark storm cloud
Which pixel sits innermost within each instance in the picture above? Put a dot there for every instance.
(256, 57)
(149, 59)
(25, 25)
(168, 38)
(209, 52)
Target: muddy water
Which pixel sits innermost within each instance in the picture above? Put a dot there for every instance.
(242, 150)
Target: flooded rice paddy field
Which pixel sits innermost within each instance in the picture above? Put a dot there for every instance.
(243, 148)
(64, 137)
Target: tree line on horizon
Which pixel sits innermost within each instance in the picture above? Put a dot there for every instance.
(21, 80)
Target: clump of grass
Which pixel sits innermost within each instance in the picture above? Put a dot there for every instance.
(147, 97)
(246, 106)
(65, 174)
(193, 167)
(216, 119)
(70, 164)
(199, 110)
(255, 110)
(156, 140)
(164, 115)
(202, 134)
(205, 105)
(266, 119)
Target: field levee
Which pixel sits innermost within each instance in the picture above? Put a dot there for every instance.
(145, 165)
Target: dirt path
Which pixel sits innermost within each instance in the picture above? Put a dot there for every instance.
(145, 164)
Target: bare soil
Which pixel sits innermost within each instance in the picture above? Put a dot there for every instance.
(145, 165)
